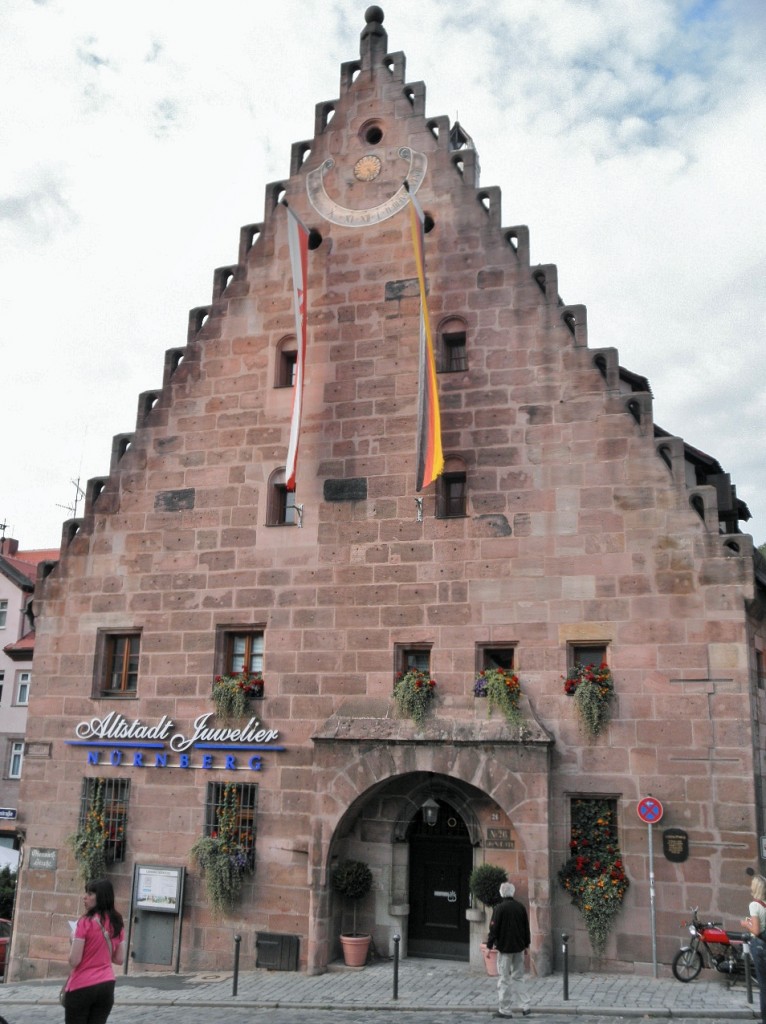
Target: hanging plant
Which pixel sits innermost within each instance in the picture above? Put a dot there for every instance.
(594, 875)
(232, 694)
(502, 689)
(221, 857)
(89, 842)
(413, 692)
(593, 691)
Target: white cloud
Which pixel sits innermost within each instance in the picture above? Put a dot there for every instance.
(136, 142)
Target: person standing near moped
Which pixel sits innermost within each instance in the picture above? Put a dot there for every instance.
(756, 925)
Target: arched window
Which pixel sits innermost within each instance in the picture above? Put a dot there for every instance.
(451, 489)
(453, 355)
(286, 363)
(281, 510)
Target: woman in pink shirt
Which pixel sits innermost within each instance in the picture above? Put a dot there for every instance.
(98, 943)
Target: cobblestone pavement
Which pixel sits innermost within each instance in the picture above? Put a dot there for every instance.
(429, 992)
(230, 1015)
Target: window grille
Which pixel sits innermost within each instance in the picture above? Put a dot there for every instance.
(109, 798)
(242, 799)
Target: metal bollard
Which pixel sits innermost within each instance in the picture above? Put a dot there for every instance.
(748, 970)
(565, 963)
(397, 940)
(235, 979)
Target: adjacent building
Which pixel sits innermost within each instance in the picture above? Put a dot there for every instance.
(567, 528)
(18, 571)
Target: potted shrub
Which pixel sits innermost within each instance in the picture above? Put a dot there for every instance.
(352, 879)
(484, 885)
(502, 689)
(413, 692)
(232, 694)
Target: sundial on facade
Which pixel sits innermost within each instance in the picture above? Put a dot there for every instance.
(403, 164)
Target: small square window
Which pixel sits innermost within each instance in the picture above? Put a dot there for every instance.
(586, 654)
(412, 656)
(117, 656)
(495, 656)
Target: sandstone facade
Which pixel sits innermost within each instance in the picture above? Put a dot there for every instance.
(585, 526)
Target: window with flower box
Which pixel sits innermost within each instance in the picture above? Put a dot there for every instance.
(412, 656)
(494, 655)
(239, 649)
(112, 795)
(586, 654)
(594, 874)
(245, 800)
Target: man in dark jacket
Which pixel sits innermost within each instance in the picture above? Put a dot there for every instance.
(509, 934)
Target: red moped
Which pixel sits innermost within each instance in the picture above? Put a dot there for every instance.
(712, 946)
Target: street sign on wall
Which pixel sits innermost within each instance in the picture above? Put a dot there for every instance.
(649, 810)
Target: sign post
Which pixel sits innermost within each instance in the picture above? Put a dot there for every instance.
(650, 811)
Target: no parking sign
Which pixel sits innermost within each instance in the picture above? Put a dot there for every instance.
(649, 810)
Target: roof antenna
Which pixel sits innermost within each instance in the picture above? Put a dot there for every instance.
(79, 494)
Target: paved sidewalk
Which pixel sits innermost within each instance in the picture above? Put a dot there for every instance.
(423, 985)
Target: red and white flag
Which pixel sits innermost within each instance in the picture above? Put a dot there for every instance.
(298, 241)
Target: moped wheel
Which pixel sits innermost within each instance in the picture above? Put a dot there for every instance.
(687, 963)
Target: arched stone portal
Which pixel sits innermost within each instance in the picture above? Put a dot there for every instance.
(373, 775)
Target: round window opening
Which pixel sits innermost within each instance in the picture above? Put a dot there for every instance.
(373, 134)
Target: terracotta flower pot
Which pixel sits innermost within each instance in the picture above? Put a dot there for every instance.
(490, 959)
(355, 949)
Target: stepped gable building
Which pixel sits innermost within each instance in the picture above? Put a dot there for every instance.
(567, 528)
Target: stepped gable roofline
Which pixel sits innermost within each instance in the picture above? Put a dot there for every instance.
(706, 469)
(636, 381)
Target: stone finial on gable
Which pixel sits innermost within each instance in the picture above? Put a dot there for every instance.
(374, 39)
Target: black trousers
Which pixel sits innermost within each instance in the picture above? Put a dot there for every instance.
(89, 1005)
(758, 953)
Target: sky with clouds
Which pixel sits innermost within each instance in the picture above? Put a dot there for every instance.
(135, 139)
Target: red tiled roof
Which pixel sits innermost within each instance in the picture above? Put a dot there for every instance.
(26, 562)
(26, 643)
(40, 555)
